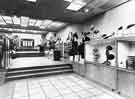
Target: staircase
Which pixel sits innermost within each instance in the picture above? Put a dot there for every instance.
(28, 54)
(38, 71)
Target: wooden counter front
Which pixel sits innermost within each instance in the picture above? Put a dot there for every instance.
(104, 75)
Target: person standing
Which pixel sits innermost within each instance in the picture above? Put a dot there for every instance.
(74, 46)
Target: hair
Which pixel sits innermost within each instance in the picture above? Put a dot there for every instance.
(75, 35)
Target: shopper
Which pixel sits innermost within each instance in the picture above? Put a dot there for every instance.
(74, 46)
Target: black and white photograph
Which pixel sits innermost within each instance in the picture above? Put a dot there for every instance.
(67, 49)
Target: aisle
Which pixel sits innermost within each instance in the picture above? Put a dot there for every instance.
(33, 61)
(69, 86)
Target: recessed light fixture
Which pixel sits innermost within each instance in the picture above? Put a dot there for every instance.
(86, 10)
(76, 5)
(31, 0)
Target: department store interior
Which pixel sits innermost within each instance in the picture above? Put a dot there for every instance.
(67, 49)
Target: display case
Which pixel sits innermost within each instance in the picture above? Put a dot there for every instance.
(113, 66)
(101, 62)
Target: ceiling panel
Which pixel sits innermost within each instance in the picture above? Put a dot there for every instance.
(112, 3)
(7, 19)
(32, 22)
(2, 21)
(51, 10)
(16, 20)
(24, 21)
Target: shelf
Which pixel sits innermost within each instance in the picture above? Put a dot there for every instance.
(100, 64)
(126, 70)
(105, 41)
(113, 67)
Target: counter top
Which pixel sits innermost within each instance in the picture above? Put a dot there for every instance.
(112, 67)
(100, 64)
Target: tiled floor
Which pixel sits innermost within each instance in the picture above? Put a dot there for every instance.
(33, 61)
(68, 86)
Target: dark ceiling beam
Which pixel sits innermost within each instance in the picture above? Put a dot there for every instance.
(7, 31)
(27, 28)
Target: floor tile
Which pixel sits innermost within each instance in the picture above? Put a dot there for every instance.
(76, 88)
(35, 91)
(91, 98)
(21, 98)
(59, 97)
(85, 86)
(84, 94)
(34, 86)
(69, 86)
(95, 91)
(51, 92)
(8, 97)
(38, 96)
(105, 96)
(65, 91)
(20, 94)
(6, 89)
(71, 96)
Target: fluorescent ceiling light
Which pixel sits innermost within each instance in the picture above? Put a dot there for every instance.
(7, 19)
(68, 0)
(76, 5)
(32, 22)
(32, 0)
(24, 21)
(16, 20)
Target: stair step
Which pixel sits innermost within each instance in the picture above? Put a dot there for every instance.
(16, 77)
(36, 70)
(38, 67)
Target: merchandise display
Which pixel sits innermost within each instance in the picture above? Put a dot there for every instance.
(101, 53)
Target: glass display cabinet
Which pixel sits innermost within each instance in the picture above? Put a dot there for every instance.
(111, 63)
